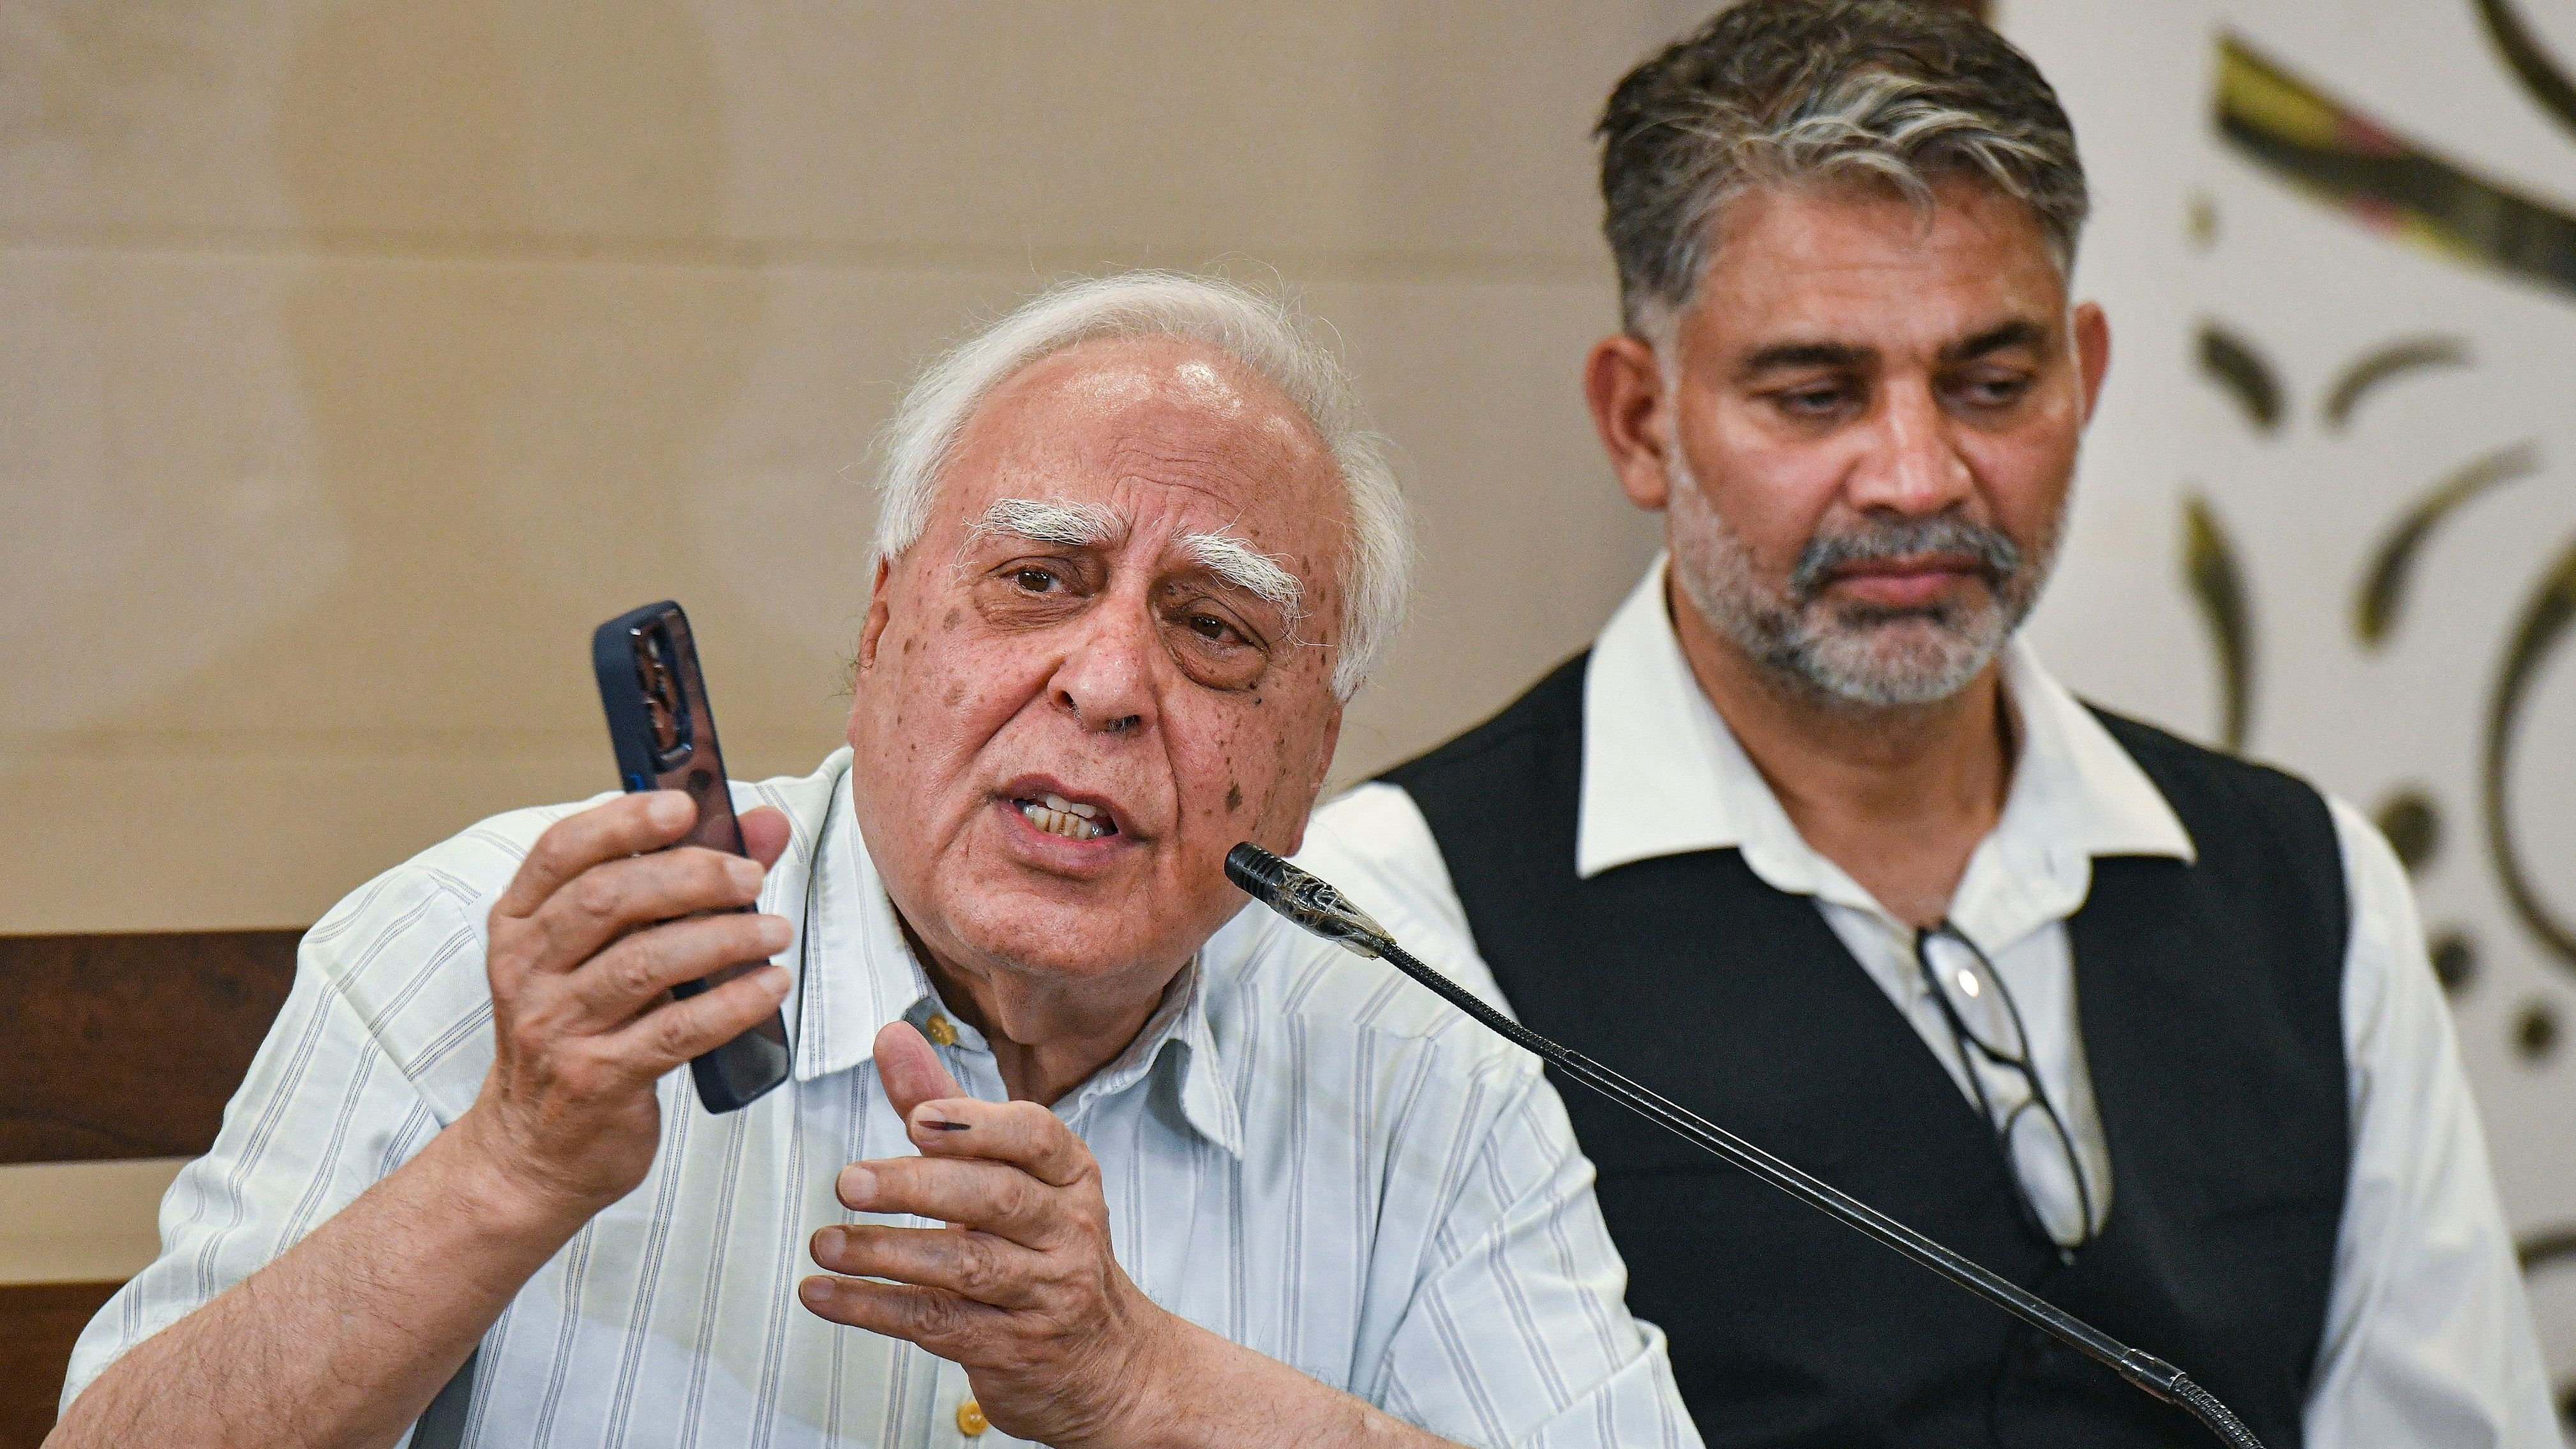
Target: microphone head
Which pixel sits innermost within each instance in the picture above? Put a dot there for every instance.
(1305, 900)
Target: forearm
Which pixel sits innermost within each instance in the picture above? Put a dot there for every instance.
(1229, 1395)
(345, 1339)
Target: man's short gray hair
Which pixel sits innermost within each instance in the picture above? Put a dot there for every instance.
(1263, 333)
(1769, 92)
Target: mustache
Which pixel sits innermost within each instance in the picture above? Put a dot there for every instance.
(1874, 540)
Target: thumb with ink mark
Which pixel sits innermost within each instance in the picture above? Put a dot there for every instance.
(911, 1070)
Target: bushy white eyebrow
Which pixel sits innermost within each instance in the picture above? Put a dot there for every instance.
(1075, 525)
(1089, 525)
(1247, 568)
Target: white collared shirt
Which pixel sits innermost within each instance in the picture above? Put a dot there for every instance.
(2428, 1339)
(1301, 1151)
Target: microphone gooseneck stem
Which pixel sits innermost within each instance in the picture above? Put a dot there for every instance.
(1318, 907)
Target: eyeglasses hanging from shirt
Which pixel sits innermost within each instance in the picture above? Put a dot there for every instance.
(2056, 1198)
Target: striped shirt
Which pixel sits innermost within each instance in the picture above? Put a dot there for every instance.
(1301, 1151)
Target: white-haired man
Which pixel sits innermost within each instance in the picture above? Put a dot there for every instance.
(1809, 845)
(1093, 1154)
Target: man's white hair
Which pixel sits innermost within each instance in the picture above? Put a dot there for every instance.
(1260, 332)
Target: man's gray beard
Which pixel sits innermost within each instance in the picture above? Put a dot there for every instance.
(1857, 655)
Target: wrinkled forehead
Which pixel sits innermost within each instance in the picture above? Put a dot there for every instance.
(1171, 438)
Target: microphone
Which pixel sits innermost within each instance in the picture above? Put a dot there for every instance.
(1313, 904)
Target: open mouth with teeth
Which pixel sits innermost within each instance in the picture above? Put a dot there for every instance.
(1071, 819)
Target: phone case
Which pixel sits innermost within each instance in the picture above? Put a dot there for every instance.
(665, 737)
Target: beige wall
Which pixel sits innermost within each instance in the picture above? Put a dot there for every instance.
(363, 356)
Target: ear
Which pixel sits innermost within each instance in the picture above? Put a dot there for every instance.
(1624, 383)
(874, 629)
(2092, 352)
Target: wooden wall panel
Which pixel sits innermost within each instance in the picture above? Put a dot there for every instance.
(118, 1046)
(38, 1323)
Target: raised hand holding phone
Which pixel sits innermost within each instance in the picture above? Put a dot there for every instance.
(626, 944)
(611, 911)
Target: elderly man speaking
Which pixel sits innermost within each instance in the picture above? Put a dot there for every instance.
(1091, 1155)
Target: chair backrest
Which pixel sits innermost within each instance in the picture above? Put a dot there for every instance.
(115, 1047)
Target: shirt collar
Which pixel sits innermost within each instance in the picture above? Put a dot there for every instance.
(1663, 775)
(858, 973)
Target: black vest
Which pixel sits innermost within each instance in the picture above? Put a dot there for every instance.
(2210, 1002)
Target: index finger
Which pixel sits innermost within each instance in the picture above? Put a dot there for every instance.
(628, 825)
(1021, 1134)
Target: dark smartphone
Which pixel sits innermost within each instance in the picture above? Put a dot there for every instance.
(666, 740)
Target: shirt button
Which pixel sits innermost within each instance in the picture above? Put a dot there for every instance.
(970, 1415)
(943, 1031)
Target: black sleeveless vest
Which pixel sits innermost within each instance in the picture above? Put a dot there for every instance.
(2210, 1001)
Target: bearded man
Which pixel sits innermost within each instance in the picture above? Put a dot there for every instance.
(1810, 844)
(1091, 1152)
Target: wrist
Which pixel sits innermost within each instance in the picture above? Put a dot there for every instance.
(1190, 1388)
(1162, 1383)
(510, 1198)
